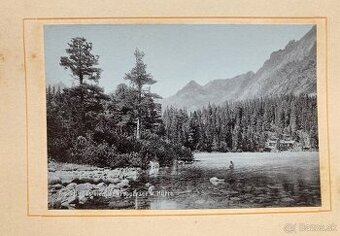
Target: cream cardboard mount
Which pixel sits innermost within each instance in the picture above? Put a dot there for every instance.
(57, 189)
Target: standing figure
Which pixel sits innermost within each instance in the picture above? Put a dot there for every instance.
(231, 165)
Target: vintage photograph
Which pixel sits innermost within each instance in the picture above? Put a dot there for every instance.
(181, 116)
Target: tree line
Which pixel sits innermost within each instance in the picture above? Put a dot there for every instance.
(247, 125)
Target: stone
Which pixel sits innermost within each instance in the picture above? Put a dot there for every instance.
(96, 180)
(57, 186)
(65, 180)
(65, 205)
(71, 185)
(84, 188)
(101, 185)
(113, 180)
(54, 180)
(116, 193)
(124, 183)
(67, 196)
(85, 179)
(215, 181)
(82, 200)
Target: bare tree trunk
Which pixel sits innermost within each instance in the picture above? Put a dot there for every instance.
(138, 131)
(138, 128)
(83, 119)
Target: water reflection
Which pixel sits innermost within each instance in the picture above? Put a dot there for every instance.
(257, 180)
(266, 180)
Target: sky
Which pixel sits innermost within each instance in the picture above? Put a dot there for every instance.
(174, 54)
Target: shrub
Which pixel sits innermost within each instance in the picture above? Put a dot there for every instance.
(127, 152)
(59, 148)
(127, 144)
(118, 160)
(184, 153)
(80, 151)
(165, 153)
(102, 154)
(132, 159)
(137, 160)
(85, 151)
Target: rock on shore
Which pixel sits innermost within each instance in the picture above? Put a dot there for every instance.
(72, 184)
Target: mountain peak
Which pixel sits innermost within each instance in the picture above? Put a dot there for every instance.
(193, 83)
(190, 87)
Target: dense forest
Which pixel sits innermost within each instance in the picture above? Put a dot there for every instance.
(127, 127)
(247, 125)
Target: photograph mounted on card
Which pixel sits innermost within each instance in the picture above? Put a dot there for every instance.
(176, 116)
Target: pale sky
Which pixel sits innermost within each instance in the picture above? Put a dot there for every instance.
(175, 54)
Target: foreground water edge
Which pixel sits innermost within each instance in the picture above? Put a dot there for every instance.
(284, 179)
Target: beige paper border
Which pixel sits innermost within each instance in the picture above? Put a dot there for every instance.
(36, 114)
(13, 181)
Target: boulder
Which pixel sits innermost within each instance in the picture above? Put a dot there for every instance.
(215, 181)
(53, 180)
(96, 180)
(67, 196)
(84, 189)
(82, 199)
(56, 186)
(116, 180)
(65, 180)
(113, 180)
(123, 184)
(113, 191)
(133, 175)
(71, 186)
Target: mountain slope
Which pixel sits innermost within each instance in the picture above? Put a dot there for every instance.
(193, 95)
(288, 71)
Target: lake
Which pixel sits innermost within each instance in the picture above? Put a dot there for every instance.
(284, 179)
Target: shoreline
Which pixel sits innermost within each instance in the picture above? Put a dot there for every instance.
(70, 185)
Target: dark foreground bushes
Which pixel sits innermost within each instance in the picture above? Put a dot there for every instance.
(125, 152)
(164, 152)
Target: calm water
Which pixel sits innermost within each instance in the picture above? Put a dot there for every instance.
(258, 180)
(284, 179)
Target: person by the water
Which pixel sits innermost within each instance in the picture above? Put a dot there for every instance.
(231, 165)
